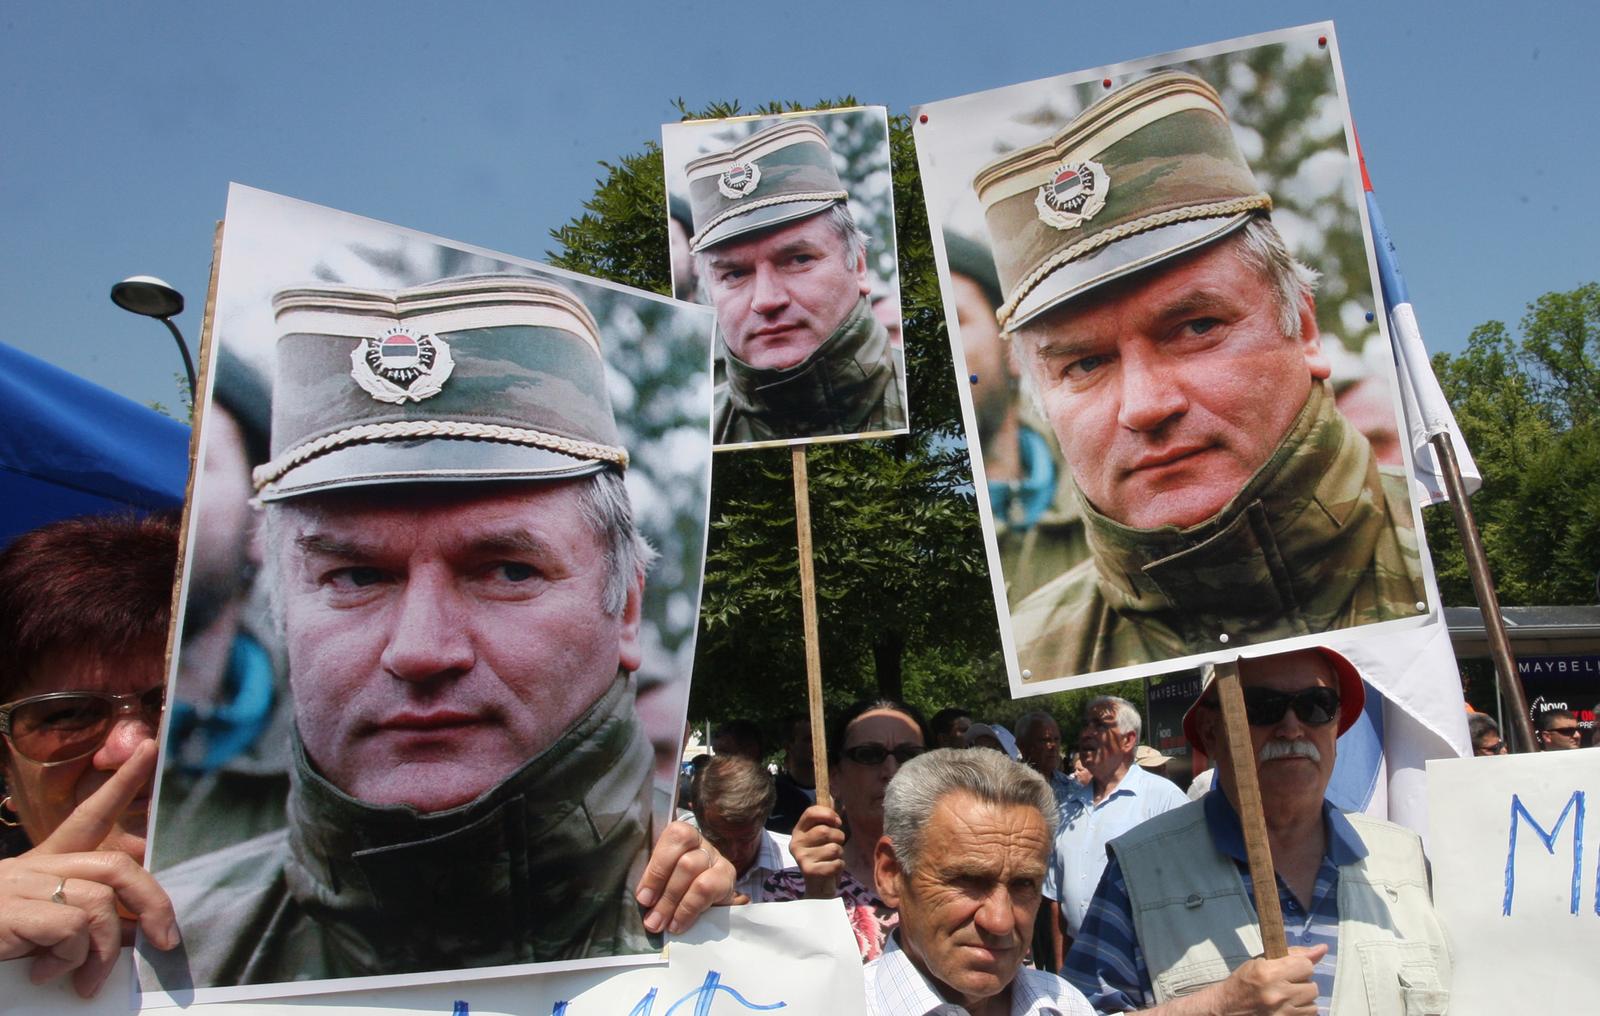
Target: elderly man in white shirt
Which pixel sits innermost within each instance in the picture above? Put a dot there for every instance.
(966, 838)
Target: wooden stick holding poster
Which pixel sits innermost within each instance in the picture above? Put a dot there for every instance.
(744, 195)
(1236, 728)
(816, 888)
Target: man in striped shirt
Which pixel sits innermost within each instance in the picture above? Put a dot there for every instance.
(1173, 928)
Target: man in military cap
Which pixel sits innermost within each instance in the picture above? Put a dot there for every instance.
(1171, 341)
(457, 579)
(781, 259)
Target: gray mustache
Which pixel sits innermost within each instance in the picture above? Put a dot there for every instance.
(1296, 748)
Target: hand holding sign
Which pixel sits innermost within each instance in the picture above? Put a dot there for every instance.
(818, 848)
(1279, 987)
(59, 902)
(685, 876)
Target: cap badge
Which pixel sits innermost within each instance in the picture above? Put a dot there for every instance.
(401, 364)
(739, 179)
(1076, 191)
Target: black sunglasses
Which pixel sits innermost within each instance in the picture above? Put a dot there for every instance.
(64, 726)
(874, 754)
(1314, 706)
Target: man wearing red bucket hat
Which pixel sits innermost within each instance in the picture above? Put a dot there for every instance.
(1173, 924)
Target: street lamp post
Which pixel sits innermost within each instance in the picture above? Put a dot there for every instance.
(149, 296)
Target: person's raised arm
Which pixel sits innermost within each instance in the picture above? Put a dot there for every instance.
(59, 901)
(817, 845)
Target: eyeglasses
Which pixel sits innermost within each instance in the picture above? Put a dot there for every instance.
(1497, 748)
(1564, 731)
(65, 726)
(1314, 706)
(874, 754)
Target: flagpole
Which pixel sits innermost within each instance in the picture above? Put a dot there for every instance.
(1395, 300)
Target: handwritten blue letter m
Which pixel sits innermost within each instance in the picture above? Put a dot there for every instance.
(1574, 803)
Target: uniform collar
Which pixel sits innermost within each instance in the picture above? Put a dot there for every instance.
(538, 868)
(834, 390)
(1317, 501)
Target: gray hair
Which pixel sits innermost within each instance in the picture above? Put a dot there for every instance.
(1028, 720)
(602, 501)
(605, 505)
(1260, 247)
(1127, 715)
(838, 216)
(740, 788)
(920, 784)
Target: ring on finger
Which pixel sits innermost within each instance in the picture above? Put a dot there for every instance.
(60, 895)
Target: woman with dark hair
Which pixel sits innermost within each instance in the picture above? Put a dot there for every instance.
(84, 609)
(867, 745)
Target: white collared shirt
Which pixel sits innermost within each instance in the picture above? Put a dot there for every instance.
(773, 857)
(895, 987)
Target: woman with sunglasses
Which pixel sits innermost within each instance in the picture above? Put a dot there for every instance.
(84, 606)
(867, 745)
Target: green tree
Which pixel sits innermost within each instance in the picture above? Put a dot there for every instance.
(1529, 409)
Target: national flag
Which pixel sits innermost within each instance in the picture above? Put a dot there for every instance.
(1426, 409)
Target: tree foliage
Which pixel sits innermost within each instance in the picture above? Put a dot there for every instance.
(1530, 411)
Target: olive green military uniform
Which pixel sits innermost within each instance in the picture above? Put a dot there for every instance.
(1319, 538)
(541, 867)
(849, 385)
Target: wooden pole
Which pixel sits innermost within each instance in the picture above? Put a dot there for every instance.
(1242, 761)
(821, 888)
(1494, 626)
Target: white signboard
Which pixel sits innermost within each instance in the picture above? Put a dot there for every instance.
(1515, 843)
(785, 958)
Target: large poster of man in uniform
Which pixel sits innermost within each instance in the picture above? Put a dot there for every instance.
(441, 581)
(1180, 392)
(785, 226)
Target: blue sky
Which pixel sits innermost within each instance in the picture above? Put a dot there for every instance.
(121, 125)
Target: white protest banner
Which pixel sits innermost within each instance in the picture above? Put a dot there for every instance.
(797, 957)
(1516, 874)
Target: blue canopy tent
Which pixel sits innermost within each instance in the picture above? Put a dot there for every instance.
(70, 447)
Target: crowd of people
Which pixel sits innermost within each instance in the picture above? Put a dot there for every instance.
(959, 848)
(1000, 877)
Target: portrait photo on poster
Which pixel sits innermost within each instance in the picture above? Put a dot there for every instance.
(784, 225)
(1179, 387)
(437, 617)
